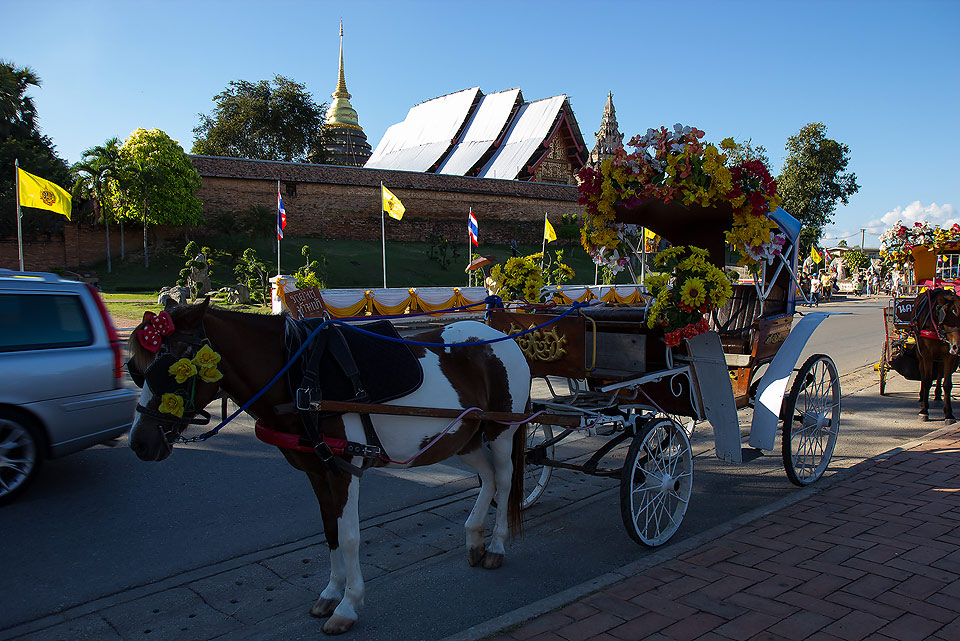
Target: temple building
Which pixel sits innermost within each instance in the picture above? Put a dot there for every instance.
(496, 135)
(609, 137)
(346, 144)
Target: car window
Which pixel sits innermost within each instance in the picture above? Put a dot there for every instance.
(42, 321)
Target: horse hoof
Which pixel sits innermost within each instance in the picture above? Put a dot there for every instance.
(950, 421)
(924, 418)
(338, 625)
(476, 555)
(492, 561)
(324, 608)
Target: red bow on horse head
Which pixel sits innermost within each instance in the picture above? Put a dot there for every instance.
(155, 326)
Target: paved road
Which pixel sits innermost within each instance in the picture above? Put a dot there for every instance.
(226, 532)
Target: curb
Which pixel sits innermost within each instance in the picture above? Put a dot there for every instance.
(565, 597)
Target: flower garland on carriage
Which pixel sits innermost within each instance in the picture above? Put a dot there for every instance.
(676, 167)
(897, 243)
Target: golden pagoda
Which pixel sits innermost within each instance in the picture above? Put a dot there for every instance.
(346, 144)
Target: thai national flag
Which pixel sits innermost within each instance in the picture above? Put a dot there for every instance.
(473, 229)
(281, 215)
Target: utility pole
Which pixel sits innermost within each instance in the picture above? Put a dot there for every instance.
(862, 236)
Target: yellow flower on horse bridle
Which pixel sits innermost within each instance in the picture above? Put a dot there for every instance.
(210, 374)
(171, 404)
(206, 358)
(183, 370)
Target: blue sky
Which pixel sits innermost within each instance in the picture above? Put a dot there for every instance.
(884, 77)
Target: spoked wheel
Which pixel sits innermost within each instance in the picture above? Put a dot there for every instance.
(656, 482)
(535, 477)
(811, 420)
(883, 367)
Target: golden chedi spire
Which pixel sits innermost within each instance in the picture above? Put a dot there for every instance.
(344, 140)
(341, 112)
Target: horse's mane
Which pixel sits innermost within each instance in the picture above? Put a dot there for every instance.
(141, 357)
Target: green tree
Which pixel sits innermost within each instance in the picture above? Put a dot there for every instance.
(313, 272)
(265, 121)
(93, 176)
(855, 259)
(252, 272)
(814, 179)
(745, 151)
(21, 140)
(156, 183)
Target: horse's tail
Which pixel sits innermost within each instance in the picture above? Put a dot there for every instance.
(514, 512)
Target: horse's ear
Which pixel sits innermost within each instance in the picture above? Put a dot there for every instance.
(193, 315)
(169, 304)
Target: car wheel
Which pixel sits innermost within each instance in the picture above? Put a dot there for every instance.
(21, 454)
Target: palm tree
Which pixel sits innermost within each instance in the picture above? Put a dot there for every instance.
(93, 177)
(17, 111)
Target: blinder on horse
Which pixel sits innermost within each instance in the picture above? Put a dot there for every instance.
(173, 379)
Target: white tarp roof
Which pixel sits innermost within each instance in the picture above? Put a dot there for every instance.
(417, 143)
(529, 129)
(488, 120)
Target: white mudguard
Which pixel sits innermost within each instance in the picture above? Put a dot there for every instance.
(716, 394)
(773, 384)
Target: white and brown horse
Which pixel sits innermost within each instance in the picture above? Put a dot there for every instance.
(937, 330)
(493, 377)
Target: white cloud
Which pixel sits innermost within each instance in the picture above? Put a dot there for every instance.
(942, 215)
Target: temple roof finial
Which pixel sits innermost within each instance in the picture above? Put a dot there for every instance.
(341, 112)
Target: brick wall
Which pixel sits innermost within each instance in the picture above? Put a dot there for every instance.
(344, 202)
(80, 246)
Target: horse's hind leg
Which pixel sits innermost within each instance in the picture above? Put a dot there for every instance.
(479, 460)
(348, 529)
(502, 449)
(948, 390)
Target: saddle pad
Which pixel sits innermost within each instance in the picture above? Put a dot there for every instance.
(388, 370)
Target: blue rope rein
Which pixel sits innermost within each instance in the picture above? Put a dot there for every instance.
(575, 307)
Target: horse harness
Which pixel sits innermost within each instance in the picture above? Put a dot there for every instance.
(937, 316)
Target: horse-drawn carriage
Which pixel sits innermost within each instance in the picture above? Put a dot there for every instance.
(926, 259)
(701, 348)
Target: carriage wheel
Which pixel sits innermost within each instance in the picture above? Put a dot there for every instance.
(535, 477)
(884, 367)
(811, 420)
(656, 482)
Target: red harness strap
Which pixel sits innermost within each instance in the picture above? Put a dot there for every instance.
(929, 333)
(295, 441)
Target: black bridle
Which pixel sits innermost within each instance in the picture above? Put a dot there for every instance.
(171, 425)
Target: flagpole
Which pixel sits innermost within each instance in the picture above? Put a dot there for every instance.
(16, 181)
(543, 250)
(469, 248)
(383, 237)
(278, 235)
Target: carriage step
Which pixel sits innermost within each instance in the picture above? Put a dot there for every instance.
(748, 454)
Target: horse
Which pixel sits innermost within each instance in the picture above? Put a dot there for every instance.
(249, 349)
(937, 330)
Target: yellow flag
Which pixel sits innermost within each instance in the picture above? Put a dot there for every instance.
(43, 194)
(548, 232)
(392, 204)
(815, 255)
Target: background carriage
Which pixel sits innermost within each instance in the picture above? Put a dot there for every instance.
(924, 266)
(606, 366)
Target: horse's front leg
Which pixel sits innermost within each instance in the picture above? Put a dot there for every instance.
(348, 529)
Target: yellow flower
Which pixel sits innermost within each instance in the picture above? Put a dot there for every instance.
(692, 292)
(171, 404)
(206, 357)
(182, 370)
(210, 374)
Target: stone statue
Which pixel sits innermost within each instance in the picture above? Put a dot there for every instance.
(199, 279)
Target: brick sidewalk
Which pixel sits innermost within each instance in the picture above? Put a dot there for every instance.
(876, 555)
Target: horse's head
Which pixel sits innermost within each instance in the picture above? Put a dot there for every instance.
(175, 365)
(946, 312)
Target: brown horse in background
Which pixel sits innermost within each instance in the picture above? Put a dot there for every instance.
(937, 329)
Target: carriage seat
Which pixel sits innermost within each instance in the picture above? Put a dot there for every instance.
(737, 316)
(386, 369)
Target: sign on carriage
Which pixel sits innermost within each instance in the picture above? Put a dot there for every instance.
(304, 303)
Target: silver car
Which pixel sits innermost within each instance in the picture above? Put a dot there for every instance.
(61, 376)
